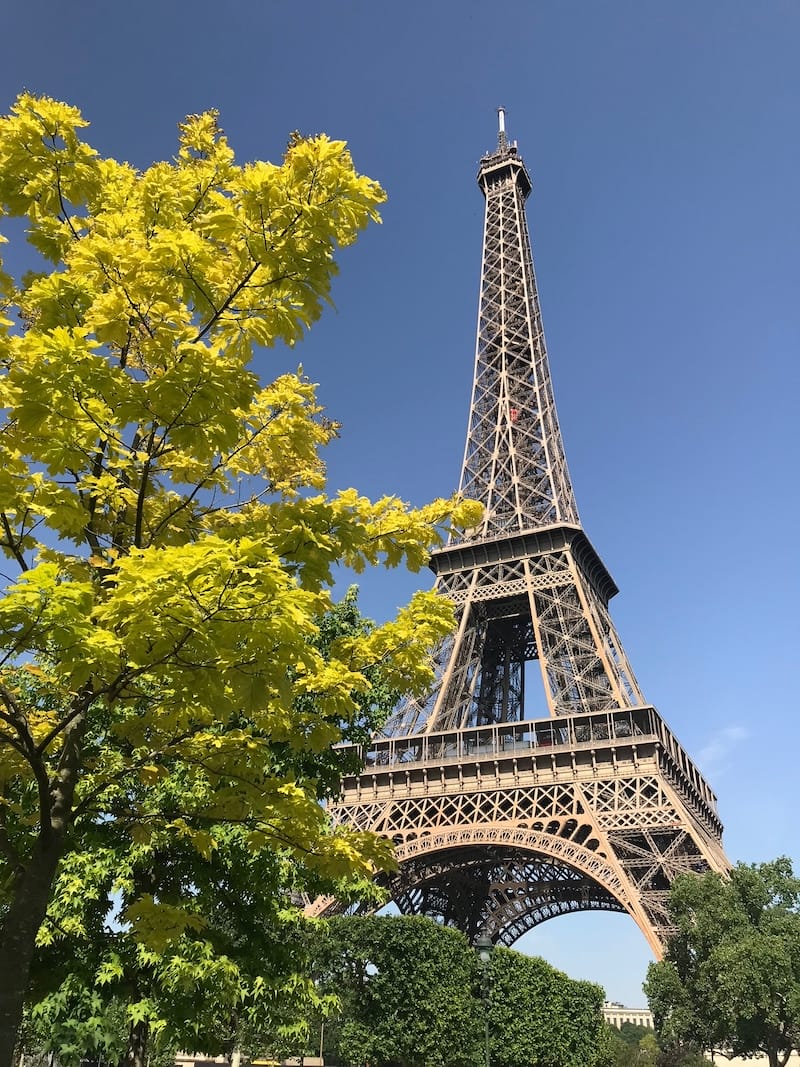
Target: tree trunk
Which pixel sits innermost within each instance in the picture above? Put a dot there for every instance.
(18, 938)
(34, 886)
(136, 1053)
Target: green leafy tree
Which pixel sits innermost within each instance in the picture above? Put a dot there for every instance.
(242, 958)
(632, 1045)
(730, 978)
(539, 1016)
(605, 1053)
(648, 1051)
(632, 1033)
(76, 1022)
(412, 993)
(618, 1052)
(405, 989)
(681, 1054)
(236, 966)
(167, 518)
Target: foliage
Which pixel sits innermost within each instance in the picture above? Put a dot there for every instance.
(619, 1048)
(632, 1033)
(244, 960)
(237, 966)
(632, 1045)
(78, 1022)
(164, 673)
(540, 1016)
(411, 993)
(681, 1054)
(730, 978)
(648, 1051)
(606, 1046)
(406, 991)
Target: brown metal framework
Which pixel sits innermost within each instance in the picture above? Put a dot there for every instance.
(512, 800)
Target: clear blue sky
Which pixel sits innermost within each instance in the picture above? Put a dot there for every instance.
(663, 143)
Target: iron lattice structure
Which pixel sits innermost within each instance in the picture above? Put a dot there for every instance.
(513, 798)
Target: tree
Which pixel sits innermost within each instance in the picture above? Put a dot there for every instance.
(167, 519)
(730, 977)
(539, 1016)
(405, 987)
(238, 966)
(621, 1045)
(681, 1054)
(411, 993)
(114, 992)
(632, 1045)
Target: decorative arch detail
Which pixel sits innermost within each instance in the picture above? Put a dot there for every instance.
(592, 864)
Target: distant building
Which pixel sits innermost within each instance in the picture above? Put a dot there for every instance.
(616, 1014)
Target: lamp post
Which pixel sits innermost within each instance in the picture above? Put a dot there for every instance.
(483, 947)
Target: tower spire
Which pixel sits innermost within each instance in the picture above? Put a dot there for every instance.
(502, 140)
(514, 460)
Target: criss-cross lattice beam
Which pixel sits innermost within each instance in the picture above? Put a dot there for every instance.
(514, 460)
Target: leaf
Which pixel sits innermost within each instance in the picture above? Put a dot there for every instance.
(156, 924)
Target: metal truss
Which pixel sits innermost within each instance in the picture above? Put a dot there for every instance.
(514, 460)
(533, 779)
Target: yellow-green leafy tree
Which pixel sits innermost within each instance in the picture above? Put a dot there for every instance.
(169, 543)
(121, 993)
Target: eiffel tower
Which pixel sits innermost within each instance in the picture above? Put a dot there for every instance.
(535, 779)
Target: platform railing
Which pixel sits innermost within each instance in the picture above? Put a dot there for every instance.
(507, 738)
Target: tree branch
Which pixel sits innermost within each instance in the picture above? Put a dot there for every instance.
(227, 303)
(13, 545)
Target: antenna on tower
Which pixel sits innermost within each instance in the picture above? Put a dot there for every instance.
(502, 141)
